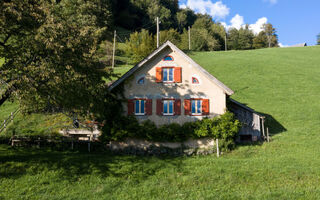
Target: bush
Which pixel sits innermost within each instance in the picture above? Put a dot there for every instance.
(224, 127)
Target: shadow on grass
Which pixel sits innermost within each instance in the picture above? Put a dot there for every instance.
(16, 162)
(272, 124)
(245, 114)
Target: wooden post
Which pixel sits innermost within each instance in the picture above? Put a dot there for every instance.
(189, 38)
(268, 138)
(264, 136)
(217, 143)
(114, 47)
(157, 32)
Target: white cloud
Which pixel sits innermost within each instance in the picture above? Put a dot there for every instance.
(257, 27)
(215, 10)
(238, 21)
(283, 45)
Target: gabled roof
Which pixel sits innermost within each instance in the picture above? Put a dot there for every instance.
(299, 45)
(176, 49)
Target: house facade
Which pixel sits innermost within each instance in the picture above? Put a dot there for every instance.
(169, 87)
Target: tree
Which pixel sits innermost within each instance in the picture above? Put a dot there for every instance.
(219, 33)
(185, 17)
(139, 45)
(233, 39)
(272, 38)
(260, 40)
(50, 53)
(171, 35)
(245, 39)
(182, 19)
(202, 38)
(318, 39)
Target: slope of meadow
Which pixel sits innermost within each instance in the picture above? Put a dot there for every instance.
(283, 83)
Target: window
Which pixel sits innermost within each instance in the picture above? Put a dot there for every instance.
(168, 58)
(167, 74)
(195, 80)
(141, 81)
(168, 107)
(139, 107)
(196, 106)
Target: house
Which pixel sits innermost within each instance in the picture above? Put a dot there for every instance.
(168, 86)
(299, 45)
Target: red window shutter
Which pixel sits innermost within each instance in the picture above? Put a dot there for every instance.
(149, 106)
(159, 107)
(130, 107)
(187, 107)
(177, 74)
(158, 74)
(205, 107)
(177, 107)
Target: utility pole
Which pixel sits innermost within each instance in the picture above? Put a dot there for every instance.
(114, 47)
(189, 38)
(157, 32)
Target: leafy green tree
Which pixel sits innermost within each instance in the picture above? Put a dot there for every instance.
(246, 36)
(233, 39)
(171, 35)
(185, 17)
(202, 36)
(260, 40)
(50, 53)
(241, 39)
(272, 37)
(203, 21)
(182, 19)
(139, 45)
(219, 33)
(318, 39)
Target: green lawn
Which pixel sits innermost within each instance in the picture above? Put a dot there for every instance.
(282, 83)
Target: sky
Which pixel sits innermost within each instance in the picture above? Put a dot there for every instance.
(295, 21)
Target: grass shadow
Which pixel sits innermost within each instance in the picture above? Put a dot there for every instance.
(17, 162)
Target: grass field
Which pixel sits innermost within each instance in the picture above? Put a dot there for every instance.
(282, 83)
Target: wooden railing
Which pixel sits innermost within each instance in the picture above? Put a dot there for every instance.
(6, 122)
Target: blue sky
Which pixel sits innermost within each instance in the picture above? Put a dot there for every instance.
(295, 21)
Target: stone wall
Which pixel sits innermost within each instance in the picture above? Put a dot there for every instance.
(132, 146)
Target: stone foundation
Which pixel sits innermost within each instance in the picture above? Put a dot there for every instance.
(190, 147)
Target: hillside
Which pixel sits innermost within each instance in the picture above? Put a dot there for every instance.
(282, 83)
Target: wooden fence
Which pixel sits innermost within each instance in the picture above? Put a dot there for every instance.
(6, 122)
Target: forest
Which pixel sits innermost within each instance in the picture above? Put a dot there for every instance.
(136, 25)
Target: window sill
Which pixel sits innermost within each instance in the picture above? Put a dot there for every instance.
(139, 114)
(164, 114)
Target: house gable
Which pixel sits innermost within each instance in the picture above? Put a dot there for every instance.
(159, 52)
(186, 94)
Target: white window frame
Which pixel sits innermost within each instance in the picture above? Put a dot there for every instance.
(168, 107)
(168, 70)
(144, 106)
(196, 107)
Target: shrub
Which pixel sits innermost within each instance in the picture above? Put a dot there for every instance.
(224, 127)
